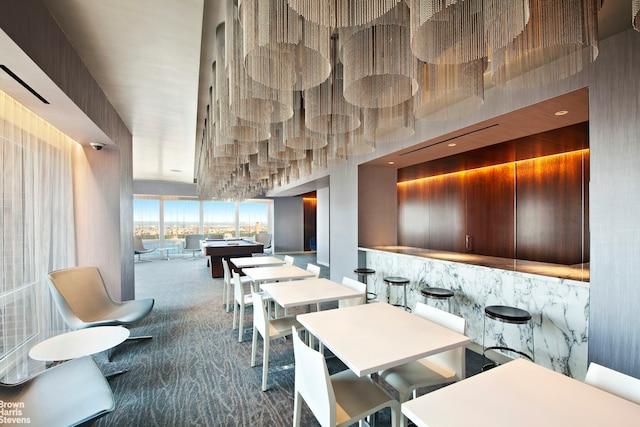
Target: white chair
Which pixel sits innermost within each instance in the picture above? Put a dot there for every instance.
(315, 269)
(357, 286)
(614, 382)
(240, 302)
(442, 368)
(192, 243)
(139, 249)
(84, 302)
(341, 399)
(226, 289)
(72, 393)
(269, 330)
(288, 260)
(265, 239)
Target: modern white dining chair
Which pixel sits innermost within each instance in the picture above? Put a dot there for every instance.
(315, 269)
(357, 286)
(228, 284)
(442, 368)
(269, 329)
(288, 260)
(341, 399)
(614, 382)
(240, 303)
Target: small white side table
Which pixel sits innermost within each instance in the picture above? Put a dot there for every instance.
(165, 252)
(80, 343)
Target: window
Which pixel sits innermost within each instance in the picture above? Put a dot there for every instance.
(181, 217)
(219, 219)
(252, 219)
(163, 221)
(146, 218)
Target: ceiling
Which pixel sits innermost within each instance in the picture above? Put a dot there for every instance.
(152, 59)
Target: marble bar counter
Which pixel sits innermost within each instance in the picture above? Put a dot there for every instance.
(556, 296)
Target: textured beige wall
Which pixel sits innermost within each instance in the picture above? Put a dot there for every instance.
(102, 180)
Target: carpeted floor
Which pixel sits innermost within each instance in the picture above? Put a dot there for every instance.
(194, 372)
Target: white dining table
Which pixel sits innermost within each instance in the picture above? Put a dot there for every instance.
(376, 336)
(308, 291)
(256, 261)
(521, 393)
(272, 274)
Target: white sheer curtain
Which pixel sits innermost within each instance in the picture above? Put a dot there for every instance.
(36, 216)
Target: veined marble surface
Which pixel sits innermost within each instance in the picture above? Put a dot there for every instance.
(559, 306)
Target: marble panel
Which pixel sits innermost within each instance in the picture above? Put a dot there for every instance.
(559, 307)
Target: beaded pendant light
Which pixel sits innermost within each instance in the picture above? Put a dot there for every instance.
(379, 68)
(342, 13)
(551, 47)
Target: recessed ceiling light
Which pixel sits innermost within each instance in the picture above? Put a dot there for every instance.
(561, 112)
(392, 163)
(451, 144)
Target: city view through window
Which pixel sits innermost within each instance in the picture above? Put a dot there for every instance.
(164, 222)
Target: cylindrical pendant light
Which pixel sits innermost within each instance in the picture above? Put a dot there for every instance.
(281, 50)
(379, 68)
(551, 47)
(449, 91)
(342, 13)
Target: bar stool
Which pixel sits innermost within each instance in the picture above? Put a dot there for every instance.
(506, 314)
(363, 273)
(399, 281)
(440, 294)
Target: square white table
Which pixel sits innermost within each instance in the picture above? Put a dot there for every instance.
(272, 274)
(256, 261)
(371, 337)
(307, 291)
(521, 393)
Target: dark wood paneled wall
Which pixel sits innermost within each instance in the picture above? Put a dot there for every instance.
(490, 211)
(310, 204)
(533, 210)
(550, 207)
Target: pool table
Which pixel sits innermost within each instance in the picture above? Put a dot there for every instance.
(229, 248)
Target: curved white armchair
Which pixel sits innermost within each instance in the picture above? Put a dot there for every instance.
(442, 368)
(139, 249)
(265, 239)
(83, 300)
(69, 394)
(341, 399)
(192, 243)
(614, 382)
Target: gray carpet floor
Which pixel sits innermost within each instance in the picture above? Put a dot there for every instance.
(194, 372)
